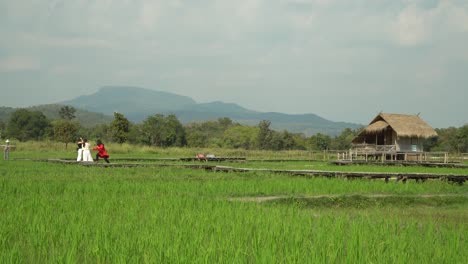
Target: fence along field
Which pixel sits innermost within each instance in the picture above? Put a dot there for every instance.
(56, 212)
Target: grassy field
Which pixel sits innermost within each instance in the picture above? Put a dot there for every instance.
(68, 213)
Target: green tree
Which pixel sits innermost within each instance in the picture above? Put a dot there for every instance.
(288, 140)
(300, 141)
(462, 139)
(65, 131)
(119, 128)
(265, 135)
(343, 141)
(240, 137)
(225, 123)
(162, 131)
(320, 142)
(447, 140)
(276, 141)
(430, 143)
(67, 112)
(136, 135)
(152, 130)
(2, 129)
(208, 133)
(197, 139)
(174, 132)
(101, 131)
(26, 125)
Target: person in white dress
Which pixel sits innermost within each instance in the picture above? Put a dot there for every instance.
(86, 152)
(6, 150)
(80, 150)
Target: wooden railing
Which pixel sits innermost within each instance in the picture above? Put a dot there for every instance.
(372, 148)
(389, 152)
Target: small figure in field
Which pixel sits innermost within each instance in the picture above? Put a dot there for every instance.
(80, 150)
(101, 151)
(86, 151)
(201, 157)
(6, 150)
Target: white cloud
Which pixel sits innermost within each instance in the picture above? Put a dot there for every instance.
(63, 70)
(456, 16)
(18, 63)
(66, 42)
(149, 13)
(224, 50)
(416, 24)
(412, 26)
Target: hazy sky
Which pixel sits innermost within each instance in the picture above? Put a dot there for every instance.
(345, 60)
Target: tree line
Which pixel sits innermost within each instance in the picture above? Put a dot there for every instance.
(167, 131)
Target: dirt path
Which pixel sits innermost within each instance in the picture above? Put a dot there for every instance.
(260, 199)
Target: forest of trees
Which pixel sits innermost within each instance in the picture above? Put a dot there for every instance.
(167, 131)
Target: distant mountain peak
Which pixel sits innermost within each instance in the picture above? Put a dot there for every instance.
(138, 103)
(132, 101)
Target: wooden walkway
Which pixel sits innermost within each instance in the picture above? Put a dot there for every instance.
(400, 163)
(220, 159)
(387, 176)
(215, 159)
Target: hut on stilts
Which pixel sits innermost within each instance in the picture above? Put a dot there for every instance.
(392, 137)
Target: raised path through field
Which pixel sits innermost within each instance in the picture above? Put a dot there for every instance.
(305, 173)
(372, 195)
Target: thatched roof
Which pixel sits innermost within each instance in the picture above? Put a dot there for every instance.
(403, 125)
(376, 127)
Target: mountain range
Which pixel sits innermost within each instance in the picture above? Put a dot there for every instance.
(139, 103)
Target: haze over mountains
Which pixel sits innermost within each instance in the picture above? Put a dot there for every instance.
(139, 103)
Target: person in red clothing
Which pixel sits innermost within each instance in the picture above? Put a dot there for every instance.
(101, 151)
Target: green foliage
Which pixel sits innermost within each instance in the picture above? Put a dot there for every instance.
(265, 135)
(343, 141)
(26, 125)
(152, 130)
(462, 138)
(450, 139)
(162, 131)
(320, 142)
(67, 112)
(166, 131)
(174, 132)
(98, 132)
(197, 139)
(430, 144)
(65, 131)
(209, 133)
(2, 129)
(120, 128)
(240, 136)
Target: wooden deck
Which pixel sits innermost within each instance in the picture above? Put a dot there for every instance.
(385, 153)
(401, 163)
(387, 176)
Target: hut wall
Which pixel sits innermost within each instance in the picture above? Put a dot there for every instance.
(409, 144)
(395, 139)
(388, 137)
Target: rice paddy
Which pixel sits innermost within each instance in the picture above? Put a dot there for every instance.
(66, 213)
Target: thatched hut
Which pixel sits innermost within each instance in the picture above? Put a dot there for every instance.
(396, 132)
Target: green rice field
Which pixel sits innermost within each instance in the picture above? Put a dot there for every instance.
(75, 214)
